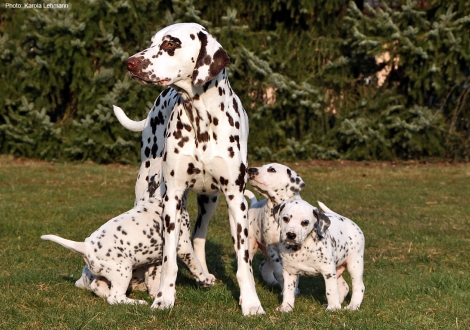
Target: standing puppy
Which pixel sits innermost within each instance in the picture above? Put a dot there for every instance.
(312, 243)
(205, 146)
(277, 183)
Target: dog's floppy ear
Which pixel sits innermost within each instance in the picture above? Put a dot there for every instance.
(211, 60)
(322, 224)
(277, 210)
(300, 182)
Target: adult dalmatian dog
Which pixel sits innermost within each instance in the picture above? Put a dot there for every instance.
(203, 145)
(277, 183)
(130, 242)
(313, 243)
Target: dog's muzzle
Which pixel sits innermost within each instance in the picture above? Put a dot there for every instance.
(252, 172)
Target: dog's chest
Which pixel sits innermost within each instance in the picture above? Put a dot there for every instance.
(314, 256)
(208, 125)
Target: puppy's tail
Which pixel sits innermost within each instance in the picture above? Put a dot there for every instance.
(78, 247)
(132, 125)
(251, 196)
(324, 207)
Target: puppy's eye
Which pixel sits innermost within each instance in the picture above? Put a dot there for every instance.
(305, 223)
(285, 219)
(272, 170)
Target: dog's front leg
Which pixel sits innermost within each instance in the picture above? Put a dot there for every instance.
(238, 214)
(332, 290)
(173, 205)
(288, 291)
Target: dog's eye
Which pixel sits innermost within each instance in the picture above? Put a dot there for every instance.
(272, 170)
(285, 219)
(305, 223)
(167, 45)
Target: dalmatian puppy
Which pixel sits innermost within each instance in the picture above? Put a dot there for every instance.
(278, 183)
(205, 145)
(131, 241)
(312, 243)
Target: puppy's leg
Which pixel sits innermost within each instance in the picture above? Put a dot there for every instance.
(276, 264)
(100, 287)
(356, 270)
(119, 283)
(343, 288)
(332, 290)
(288, 292)
(152, 278)
(266, 269)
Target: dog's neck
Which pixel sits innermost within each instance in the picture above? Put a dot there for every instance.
(201, 102)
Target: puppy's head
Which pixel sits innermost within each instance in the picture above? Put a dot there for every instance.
(298, 219)
(180, 52)
(276, 182)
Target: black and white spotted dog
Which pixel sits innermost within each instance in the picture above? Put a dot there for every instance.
(132, 241)
(202, 127)
(313, 243)
(277, 183)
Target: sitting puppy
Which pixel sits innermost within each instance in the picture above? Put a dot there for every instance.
(278, 183)
(131, 241)
(312, 243)
(145, 278)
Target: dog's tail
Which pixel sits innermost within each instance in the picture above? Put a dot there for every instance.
(132, 125)
(324, 207)
(251, 196)
(78, 247)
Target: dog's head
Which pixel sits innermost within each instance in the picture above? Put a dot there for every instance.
(298, 219)
(183, 52)
(276, 182)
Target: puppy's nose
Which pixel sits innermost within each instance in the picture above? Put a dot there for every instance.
(291, 235)
(253, 171)
(132, 63)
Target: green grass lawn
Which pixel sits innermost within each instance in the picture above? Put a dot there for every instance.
(415, 219)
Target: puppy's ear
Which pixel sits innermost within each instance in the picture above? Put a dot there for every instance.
(277, 211)
(297, 184)
(212, 59)
(322, 224)
(154, 177)
(300, 182)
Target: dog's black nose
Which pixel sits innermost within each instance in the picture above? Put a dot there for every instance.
(253, 171)
(291, 235)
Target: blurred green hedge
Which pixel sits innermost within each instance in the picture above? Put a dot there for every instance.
(319, 79)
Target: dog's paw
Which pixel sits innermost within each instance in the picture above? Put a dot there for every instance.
(352, 307)
(162, 302)
(251, 307)
(332, 308)
(125, 300)
(207, 282)
(285, 308)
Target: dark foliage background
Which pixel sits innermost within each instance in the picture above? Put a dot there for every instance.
(310, 74)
